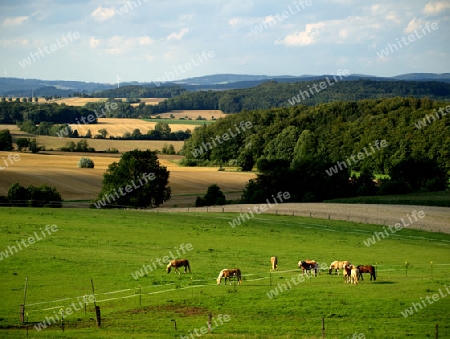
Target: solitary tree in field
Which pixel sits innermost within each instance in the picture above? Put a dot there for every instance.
(136, 180)
(103, 132)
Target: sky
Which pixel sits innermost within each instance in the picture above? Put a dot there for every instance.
(146, 40)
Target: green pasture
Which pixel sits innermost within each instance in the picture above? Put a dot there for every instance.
(109, 246)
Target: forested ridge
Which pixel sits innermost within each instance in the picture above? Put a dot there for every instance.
(274, 94)
(14, 112)
(311, 151)
(331, 132)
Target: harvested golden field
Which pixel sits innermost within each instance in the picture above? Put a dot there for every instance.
(118, 127)
(73, 101)
(150, 101)
(54, 143)
(193, 114)
(61, 171)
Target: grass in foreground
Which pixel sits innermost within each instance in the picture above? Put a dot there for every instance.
(110, 246)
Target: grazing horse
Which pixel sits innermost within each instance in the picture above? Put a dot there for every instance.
(354, 275)
(347, 272)
(179, 263)
(337, 265)
(308, 265)
(367, 269)
(351, 274)
(230, 273)
(274, 262)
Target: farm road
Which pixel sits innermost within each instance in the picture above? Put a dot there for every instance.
(437, 219)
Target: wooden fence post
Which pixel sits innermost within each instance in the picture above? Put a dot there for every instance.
(174, 324)
(22, 307)
(323, 327)
(97, 308)
(209, 322)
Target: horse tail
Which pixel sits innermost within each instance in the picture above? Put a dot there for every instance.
(188, 266)
(374, 275)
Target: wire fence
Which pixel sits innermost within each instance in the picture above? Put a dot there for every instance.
(330, 326)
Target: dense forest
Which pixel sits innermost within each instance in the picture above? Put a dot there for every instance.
(332, 150)
(274, 94)
(137, 91)
(331, 131)
(14, 112)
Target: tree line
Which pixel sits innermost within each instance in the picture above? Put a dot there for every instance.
(274, 94)
(287, 142)
(13, 112)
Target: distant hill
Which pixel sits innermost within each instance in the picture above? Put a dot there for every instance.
(272, 94)
(14, 87)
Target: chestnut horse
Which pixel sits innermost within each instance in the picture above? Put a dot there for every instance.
(274, 262)
(338, 265)
(308, 265)
(179, 263)
(367, 269)
(230, 273)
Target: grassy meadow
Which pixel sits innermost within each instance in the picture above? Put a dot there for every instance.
(109, 246)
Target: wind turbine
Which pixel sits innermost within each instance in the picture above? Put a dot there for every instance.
(118, 81)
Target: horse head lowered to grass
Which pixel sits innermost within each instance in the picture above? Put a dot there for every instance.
(338, 265)
(228, 274)
(178, 263)
(308, 265)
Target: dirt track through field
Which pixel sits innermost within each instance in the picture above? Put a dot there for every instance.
(437, 219)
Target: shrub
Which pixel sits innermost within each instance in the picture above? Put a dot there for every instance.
(85, 163)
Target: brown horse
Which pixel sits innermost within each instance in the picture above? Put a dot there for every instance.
(179, 263)
(338, 265)
(367, 269)
(274, 262)
(230, 273)
(308, 265)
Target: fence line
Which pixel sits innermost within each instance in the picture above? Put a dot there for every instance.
(82, 298)
(336, 213)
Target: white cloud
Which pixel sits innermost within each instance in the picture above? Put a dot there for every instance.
(16, 21)
(145, 40)
(351, 30)
(307, 37)
(102, 14)
(14, 42)
(93, 42)
(178, 36)
(436, 7)
(413, 25)
(297, 39)
(234, 21)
